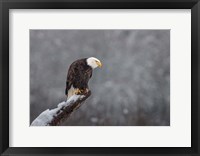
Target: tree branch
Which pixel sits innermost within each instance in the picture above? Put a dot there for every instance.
(64, 109)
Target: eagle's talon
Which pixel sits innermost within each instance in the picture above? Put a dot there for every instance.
(79, 91)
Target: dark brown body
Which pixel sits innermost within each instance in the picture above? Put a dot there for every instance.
(78, 75)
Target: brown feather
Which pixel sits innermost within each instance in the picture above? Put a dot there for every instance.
(78, 75)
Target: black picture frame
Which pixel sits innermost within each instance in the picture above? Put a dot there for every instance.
(5, 5)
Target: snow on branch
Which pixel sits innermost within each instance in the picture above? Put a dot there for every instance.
(64, 109)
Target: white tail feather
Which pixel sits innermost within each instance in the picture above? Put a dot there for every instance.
(72, 91)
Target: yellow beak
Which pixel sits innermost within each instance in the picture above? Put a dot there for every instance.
(99, 64)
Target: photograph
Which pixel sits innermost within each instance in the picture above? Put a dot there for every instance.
(99, 77)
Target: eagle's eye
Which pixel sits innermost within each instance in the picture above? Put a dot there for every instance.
(98, 63)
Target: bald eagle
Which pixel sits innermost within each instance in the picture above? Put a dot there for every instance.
(79, 73)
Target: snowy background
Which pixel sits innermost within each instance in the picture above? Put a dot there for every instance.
(132, 88)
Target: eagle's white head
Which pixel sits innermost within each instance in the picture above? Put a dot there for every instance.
(93, 62)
